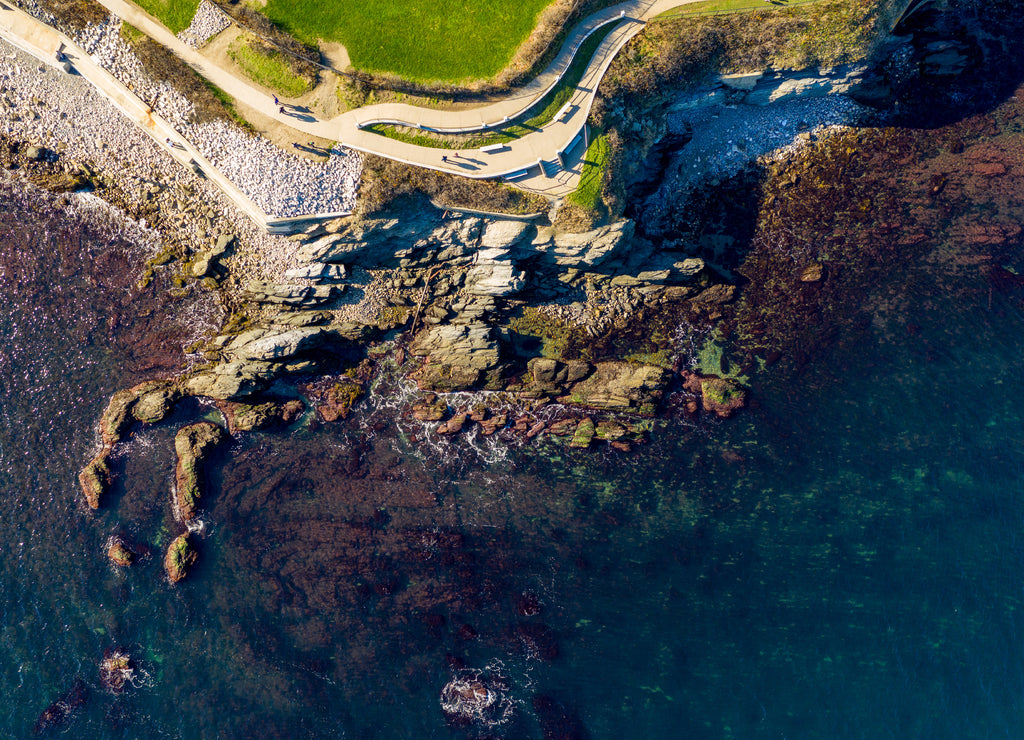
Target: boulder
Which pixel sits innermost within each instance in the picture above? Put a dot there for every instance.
(192, 443)
(550, 376)
(454, 425)
(503, 234)
(491, 277)
(117, 417)
(720, 396)
(233, 380)
(337, 401)
(318, 271)
(716, 294)
(95, 479)
(119, 554)
(584, 434)
(813, 273)
(180, 558)
(155, 401)
(430, 408)
(457, 355)
(620, 386)
(272, 344)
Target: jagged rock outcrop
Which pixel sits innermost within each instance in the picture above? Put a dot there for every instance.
(94, 479)
(292, 295)
(620, 386)
(458, 355)
(180, 558)
(192, 444)
(248, 417)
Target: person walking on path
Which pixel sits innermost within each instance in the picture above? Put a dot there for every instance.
(276, 101)
(444, 158)
(281, 110)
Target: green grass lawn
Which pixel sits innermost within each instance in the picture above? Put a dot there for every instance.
(175, 14)
(539, 115)
(269, 68)
(445, 40)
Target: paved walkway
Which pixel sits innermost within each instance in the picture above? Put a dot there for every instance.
(546, 161)
(522, 154)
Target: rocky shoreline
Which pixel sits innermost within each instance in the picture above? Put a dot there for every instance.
(512, 328)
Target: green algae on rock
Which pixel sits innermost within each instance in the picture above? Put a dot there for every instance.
(584, 434)
(119, 554)
(192, 443)
(181, 556)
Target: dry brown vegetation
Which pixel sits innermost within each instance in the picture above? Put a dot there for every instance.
(75, 14)
(385, 180)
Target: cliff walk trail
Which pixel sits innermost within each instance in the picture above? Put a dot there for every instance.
(547, 161)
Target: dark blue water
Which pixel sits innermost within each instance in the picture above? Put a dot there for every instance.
(842, 560)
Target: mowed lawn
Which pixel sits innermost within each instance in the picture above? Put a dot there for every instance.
(175, 14)
(445, 40)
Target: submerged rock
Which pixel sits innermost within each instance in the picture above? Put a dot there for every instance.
(62, 707)
(116, 670)
(180, 558)
(192, 443)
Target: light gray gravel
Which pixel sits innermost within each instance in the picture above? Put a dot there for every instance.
(206, 23)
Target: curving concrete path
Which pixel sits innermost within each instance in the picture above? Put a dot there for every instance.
(547, 161)
(522, 154)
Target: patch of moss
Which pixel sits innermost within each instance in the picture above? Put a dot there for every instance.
(553, 334)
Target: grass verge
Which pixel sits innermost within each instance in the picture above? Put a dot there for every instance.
(587, 194)
(384, 181)
(714, 7)
(175, 14)
(269, 68)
